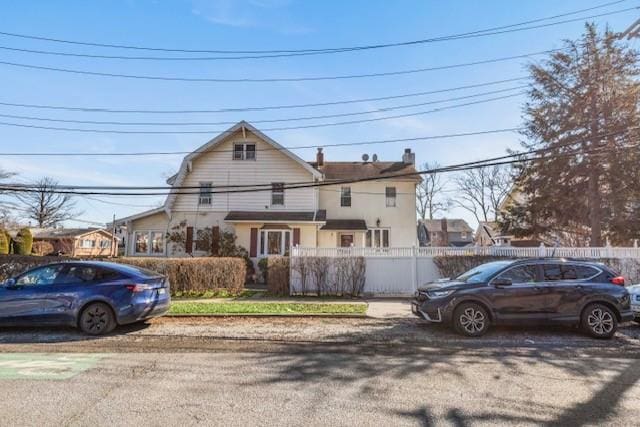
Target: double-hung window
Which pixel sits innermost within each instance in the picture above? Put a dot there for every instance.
(390, 195)
(87, 244)
(105, 244)
(345, 197)
(244, 151)
(277, 194)
(148, 243)
(205, 193)
(377, 238)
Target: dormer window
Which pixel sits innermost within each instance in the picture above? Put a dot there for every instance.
(244, 151)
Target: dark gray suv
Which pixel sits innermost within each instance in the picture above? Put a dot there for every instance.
(549, 290)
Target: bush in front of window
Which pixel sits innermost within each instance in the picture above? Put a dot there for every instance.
(23, 243)
(278, 275)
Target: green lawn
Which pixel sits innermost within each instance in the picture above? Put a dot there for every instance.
(219, 293)
(180, 307)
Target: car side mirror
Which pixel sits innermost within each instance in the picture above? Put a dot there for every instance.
(502, 282)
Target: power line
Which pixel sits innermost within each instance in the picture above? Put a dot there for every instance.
(278, 79)
(298, 147)
(260, 108)
(508, 159)
(317, 125)
(476, 33)
(288, 119)
(481, 33)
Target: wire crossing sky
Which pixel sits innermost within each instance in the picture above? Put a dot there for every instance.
(353, 77)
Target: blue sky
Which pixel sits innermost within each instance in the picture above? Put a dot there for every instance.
(260, 25)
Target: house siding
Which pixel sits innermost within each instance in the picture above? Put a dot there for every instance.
(270, 166)
(368, 202)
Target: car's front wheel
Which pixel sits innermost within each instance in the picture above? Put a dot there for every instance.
(471, 319)
(599, 321)
(97, 319)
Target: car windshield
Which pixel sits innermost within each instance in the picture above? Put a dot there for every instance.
(482, 273)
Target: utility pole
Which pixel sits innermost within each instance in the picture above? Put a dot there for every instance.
(632, 31)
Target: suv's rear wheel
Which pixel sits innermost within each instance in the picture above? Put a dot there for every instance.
(97, 319)
(599, 321)
(471, 319)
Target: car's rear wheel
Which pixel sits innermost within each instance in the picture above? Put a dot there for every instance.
(599, 321)
(97, 319)
(471, 319)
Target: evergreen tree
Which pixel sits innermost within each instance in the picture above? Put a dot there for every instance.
(582, 98)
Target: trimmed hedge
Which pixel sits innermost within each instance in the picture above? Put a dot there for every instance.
(278, 275)
(194, 275)
(5, 242)
(453, 266)
(187, 275)
(23, 242)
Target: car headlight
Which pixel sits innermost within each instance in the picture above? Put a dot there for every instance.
(440, 294)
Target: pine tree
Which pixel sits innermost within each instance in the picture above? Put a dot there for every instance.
(582, 98)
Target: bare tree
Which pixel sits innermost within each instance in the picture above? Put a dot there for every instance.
(429, 199)
(46, 206)
(5, 205)
(481, 191)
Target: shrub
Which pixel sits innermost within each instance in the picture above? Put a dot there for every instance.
(42, 247)
(23, 242)
(278, 275)
(4, 242)
(196, 275)
(263, 266)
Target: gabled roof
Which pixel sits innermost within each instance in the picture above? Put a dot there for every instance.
(365, 170)
(177, 179)
(453, 225)
(123, 221)
(61, 233)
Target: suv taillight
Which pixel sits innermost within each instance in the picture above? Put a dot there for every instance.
(618, 280)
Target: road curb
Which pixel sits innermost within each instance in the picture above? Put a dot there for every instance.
(263, 315)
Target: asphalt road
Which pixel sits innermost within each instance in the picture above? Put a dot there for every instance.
(173, 379)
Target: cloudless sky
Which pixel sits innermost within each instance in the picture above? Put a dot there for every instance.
(262, 25)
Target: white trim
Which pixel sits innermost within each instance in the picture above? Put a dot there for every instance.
(149, 251)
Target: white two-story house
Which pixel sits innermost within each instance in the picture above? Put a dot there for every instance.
(241, 181)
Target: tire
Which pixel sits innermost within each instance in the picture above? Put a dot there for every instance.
(97, 319)
(471, 319)
(599, 321)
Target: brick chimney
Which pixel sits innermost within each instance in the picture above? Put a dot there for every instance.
(409, 158)
(320, 157)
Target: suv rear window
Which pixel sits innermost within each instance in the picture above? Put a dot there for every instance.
(555, 272)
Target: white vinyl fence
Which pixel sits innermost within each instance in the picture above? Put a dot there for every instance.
(399, 270)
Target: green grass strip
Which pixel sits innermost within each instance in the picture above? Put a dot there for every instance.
(178, 307)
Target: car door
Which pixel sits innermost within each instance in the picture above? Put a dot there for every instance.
(72, 286)
(22, 302)
(568, 287)
(525, 299)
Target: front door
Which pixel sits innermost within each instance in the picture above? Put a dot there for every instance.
(346, 240)
(526, 299)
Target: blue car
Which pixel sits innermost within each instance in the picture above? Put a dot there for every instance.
(93, 296)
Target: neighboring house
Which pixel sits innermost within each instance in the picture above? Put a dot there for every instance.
(375, 213)
(79, 242)
(445, 232)
(488, 234)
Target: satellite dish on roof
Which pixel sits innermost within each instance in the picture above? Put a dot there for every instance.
(365, 157)
(374, 158)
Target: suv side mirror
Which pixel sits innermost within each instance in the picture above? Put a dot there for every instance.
(502, 281)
